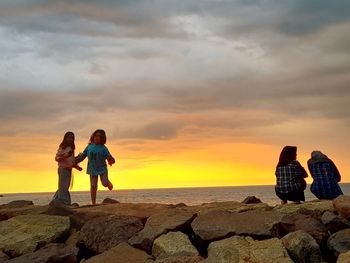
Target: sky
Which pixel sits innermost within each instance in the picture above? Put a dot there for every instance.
(190, 93)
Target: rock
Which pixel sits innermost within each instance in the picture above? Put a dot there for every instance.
(109, 201)
(251, 200)
(219, 224)
(123, 253)
(181, 259)
(344, 257)
(317, 205)
(72, 240)
(308, 221)
(1, 195)
(339, 242)
(23, 234)
(103, 233)
(18, 204)
(333, 222)
(342, 205)
(228, 206)
(3, 257)
(302, 247)
(142, 211)
(173, 244)
(7, 212)
(51, 253)
(244, 249)
(161, 223)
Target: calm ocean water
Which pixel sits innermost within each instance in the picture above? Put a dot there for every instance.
(189, 196)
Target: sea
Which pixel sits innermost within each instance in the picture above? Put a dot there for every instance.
(189, 196)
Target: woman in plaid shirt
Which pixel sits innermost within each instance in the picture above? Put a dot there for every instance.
(326, 176)
(290, 183)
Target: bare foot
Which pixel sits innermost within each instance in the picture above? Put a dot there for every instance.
(110, 186)
(297, 202)
(284, 202)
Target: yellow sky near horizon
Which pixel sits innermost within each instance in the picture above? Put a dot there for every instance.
(152, 164)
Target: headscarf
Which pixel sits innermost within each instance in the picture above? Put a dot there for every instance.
(318, 157)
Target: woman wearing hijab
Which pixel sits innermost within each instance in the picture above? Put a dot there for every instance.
(290, 183)
(326, 176)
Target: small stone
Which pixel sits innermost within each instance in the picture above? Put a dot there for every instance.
(251, 200)
(110, 201)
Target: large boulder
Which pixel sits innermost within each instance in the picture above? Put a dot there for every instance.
(173, 244)
(17, 204)
(23, 234)
(344, 257)
(51, 253)
(141, 210)
(244, 249)
(302, 247)
(308, 221)
(15, 209)
(103, 233)
(339, 242)
(316, 205)
(123, 253)
(333, 222)
(161, 223)
(219, 224)
(342, 205)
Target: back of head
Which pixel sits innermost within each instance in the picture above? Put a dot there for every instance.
(317, 156)
(288, 155)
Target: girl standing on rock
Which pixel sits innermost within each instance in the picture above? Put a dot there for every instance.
(290, 183)
(97, 154)
(66, 161)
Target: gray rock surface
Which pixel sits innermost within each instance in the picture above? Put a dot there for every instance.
(161, 223)
(342, 205)
(244, 249)
(123, 253)
(51, 253)
(173, 244)
(219, 224)
(339, 242)
(103, 233)
(302, 247)
(22, 234)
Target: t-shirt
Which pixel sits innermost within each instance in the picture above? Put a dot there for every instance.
(66, 162)
(97, 155)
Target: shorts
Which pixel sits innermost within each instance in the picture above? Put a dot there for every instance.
(94, 180)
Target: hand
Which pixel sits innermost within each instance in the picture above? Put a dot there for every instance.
(111, 161)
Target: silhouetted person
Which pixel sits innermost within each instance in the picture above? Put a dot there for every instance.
(326, 176)
(290, 183)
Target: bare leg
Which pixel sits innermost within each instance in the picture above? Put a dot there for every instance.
(93, 188)
(93, 195)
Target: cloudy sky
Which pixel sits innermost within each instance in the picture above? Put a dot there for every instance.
(190, 93)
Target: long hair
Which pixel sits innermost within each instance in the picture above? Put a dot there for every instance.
(103, 136)
(64, 144)
(288, 155)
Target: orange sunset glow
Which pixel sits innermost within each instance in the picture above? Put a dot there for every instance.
(196, 94)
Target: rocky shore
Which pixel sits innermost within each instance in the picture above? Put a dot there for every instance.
(223, 232)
